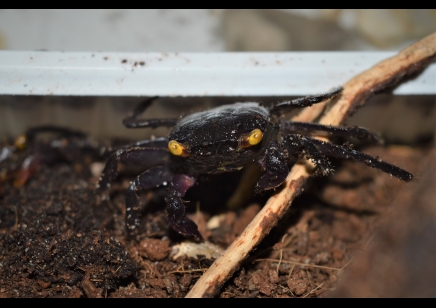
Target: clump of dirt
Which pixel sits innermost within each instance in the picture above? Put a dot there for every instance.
(60, 238)
(42, 262)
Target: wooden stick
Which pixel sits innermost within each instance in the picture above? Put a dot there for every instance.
(383, 75)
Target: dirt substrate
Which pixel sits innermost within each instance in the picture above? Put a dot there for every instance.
(356, 233)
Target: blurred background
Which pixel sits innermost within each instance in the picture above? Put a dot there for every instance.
(213, 30)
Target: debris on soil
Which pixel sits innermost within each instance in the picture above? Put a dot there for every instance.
(191, 249)
(59, 238)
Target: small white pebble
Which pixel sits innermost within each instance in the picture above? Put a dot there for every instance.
(96, 169)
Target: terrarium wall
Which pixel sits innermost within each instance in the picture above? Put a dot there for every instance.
(398, 118)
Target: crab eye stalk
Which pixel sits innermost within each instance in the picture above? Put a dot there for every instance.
(251, 139)
(21, 142)
(177, 149)
(255, 137)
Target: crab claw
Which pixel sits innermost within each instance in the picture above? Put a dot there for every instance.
(176, 209)
(30, 165)
(276, 169)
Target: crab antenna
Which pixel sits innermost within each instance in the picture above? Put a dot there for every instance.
(288, 106)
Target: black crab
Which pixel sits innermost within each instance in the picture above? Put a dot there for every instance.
(225, 139)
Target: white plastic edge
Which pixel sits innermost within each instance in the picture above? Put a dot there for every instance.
(190, 74)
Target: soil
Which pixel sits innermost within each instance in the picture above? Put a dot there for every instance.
(356, 233)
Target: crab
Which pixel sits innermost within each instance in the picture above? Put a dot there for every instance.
(226, 139)
(20, 160)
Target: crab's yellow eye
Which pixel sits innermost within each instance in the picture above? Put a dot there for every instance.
(177, 149)
(255, 137)
(21, 142)
(251, 139)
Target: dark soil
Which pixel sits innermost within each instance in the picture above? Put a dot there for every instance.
(356, 233)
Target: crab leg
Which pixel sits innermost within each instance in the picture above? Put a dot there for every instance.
(139, 155)
(176, 209)
(133, 120)
(151, 178)
(157, 143)
(318, 151)
(320, 130)
(62, 131)
(297, 144)
(345, 152)
(276, 169)
(288, 106)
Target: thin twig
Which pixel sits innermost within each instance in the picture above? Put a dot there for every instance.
(292, 269)
(385, 74)
(313, 290)
(188, 271)
(302, 264)
(281, 254)
(150, 268)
